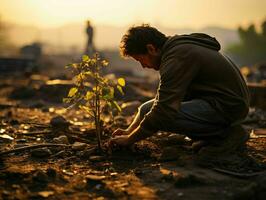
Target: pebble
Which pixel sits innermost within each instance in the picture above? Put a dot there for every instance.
(21, 140)
(78, 146)
(40, 177)
(176, 138)
(63, 139)
(59, 122)
(96, 158)
(41, 153)
(95, 177)
(88, 152)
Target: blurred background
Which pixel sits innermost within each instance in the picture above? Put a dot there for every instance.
(53, 33)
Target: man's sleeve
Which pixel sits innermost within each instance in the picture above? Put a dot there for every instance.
(177, 70)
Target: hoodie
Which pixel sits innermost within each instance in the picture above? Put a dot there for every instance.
(193, 68)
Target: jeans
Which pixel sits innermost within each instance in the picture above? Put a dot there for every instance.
(196, 119)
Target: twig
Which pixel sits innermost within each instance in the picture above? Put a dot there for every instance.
(36, 124)
(76, 138)
(32, 147)
(36, 133)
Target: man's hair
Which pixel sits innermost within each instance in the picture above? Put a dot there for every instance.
(137, 37)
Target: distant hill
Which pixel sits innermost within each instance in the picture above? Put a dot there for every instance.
(72, 37)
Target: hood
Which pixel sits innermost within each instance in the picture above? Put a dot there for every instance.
(200, 39)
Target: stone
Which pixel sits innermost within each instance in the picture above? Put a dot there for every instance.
(95, 177)
(62, 139)
(78, 146)
(51, 173)
(41, 153)
(40, 177)
(45, 194)
(21, 140)
(6, 138)
(176, 139)
(59, 122)
(96, 158)
(87, 152)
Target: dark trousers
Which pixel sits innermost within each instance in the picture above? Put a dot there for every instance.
(196, 119)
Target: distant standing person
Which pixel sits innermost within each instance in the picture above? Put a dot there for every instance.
(90, 46)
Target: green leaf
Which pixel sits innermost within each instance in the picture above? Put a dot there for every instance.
(116, 106)
(88, 73)
(122, 82)
(108, 92)
(66, 100)
(72, 92)
(89, 95)
(85, 58)
(120, 89)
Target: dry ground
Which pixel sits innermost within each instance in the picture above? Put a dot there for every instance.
(158, 168)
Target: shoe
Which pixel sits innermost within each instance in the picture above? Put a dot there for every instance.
(235, 140)
(197, 145)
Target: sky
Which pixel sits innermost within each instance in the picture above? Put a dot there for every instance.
(168, 13)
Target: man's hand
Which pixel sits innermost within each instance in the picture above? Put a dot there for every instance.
(122, 140)
(120, 131)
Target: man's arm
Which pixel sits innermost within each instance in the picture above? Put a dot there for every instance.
(177, 70)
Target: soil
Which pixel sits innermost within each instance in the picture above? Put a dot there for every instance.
(156, 168)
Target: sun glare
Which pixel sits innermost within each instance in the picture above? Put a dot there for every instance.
(170, 13)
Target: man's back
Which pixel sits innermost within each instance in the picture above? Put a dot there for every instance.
(209, 75)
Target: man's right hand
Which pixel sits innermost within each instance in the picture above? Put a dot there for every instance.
(120, 131)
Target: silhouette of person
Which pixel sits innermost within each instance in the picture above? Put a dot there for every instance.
(90, 49)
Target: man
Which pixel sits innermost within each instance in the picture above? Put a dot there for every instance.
(201, 93)
(90, 45)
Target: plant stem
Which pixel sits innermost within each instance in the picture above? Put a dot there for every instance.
(97, 107)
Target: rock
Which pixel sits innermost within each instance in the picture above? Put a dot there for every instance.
(40, 177)
(23, 92)
(169, 154)
(55, 90)
(176, 139)
(59, 122)
(96, 158)
(88, 152)
(51, 173)
(45, 194)
(63, 139)
(78, 146)
(95, 177)
(21, 140)
(6, 138)
(41, 153)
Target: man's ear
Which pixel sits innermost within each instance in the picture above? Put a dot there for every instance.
(152, 50)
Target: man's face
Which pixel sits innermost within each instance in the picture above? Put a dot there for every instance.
(151, 59)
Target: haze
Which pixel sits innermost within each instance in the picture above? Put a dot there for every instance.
(168, 13)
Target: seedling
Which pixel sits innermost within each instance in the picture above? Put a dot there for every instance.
(93, 91)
